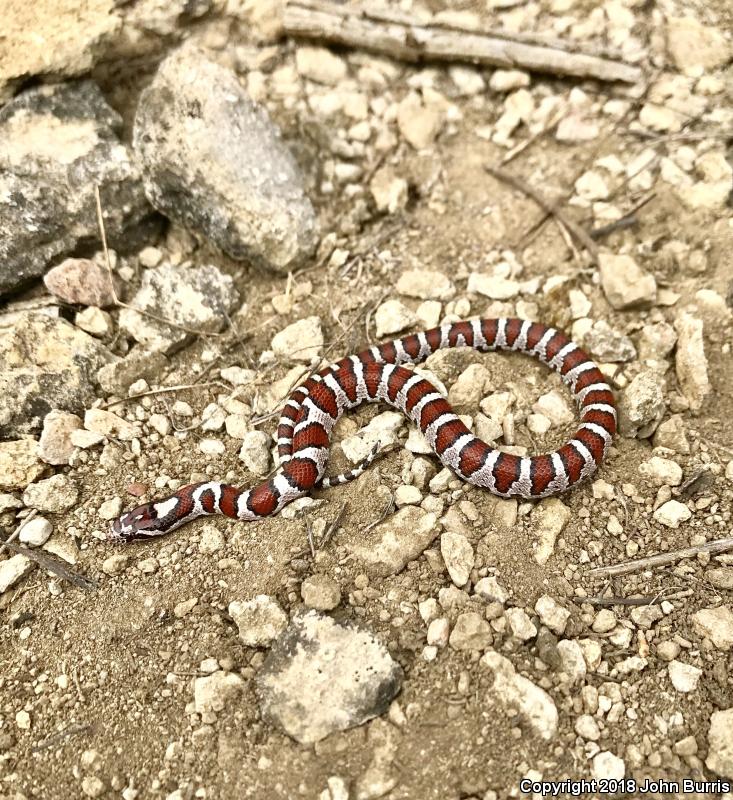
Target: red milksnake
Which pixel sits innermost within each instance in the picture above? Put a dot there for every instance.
(375, 375)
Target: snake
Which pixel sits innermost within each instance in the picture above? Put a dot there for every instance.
(378, 375)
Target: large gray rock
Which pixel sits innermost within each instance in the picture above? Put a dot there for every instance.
(56, 144)
(46, 364)
(213, 161)
(321, 677)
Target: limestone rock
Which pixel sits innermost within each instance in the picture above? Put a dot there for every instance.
(397, 540)
(625, 283)
(46, 364)
(720, 743)
(56, 143)
(693, 45)
(458, 555)
(55, 494)
(195, 298)
(214, 162)
(20, 463)
(716, 624)
(520, 696)
(259, 620)
(641, 406)
(691, 363)
(213, 693)
(36, 39)
(300, 341)
(321, 677)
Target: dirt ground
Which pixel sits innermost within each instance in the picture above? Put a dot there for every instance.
(106, 675)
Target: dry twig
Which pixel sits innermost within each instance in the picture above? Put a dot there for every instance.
(400, 36)
(57, 738)
(388, 509)
(575, 230)
(14, 535)
(662, 559)
(634, 601)
(52, 564)
(629, 220)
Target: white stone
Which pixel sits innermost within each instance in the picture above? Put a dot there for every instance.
(471, 632)
(393, 316)
(684, 677)
(672, 513)
(259, 620)
(506, 80)
(438, 632)
(301, 341)
(493, 286)
(624, 283)
(467, 80)
(592, 186)
(425, 284)
(587, 727)
(607, 766)
(552, 614)
(13, 569)
(320, 65)
(548, 518)
(215, 692)
(720, 743)
(321, 592)
(520, 696)
(212, 447)
(691, 363)
(520, 624)
(715, 624)
(490, 590)
(106, 423)
(555, 407)
(407, 495)
(605, 621)
(390, 192)
(35, 532)
(572, 659)
(419, 123)
(458, 555)
(603, 490)
(661, 471)
(255, 452)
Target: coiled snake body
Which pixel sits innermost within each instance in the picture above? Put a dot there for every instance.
(376, 375)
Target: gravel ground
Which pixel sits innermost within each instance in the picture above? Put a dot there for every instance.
(271, 205)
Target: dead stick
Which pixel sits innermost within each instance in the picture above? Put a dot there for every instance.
(578, 233)
(52, 564)
(634, 601)
(660, 560)
(627, 221)
(402, 37)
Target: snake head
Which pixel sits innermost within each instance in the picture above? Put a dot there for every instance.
(139, 523)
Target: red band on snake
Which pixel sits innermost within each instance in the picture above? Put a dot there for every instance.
(376, 375)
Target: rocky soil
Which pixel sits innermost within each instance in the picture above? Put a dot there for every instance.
(270, 205)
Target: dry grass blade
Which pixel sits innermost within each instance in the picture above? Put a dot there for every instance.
(388, 509)
(575, 230)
